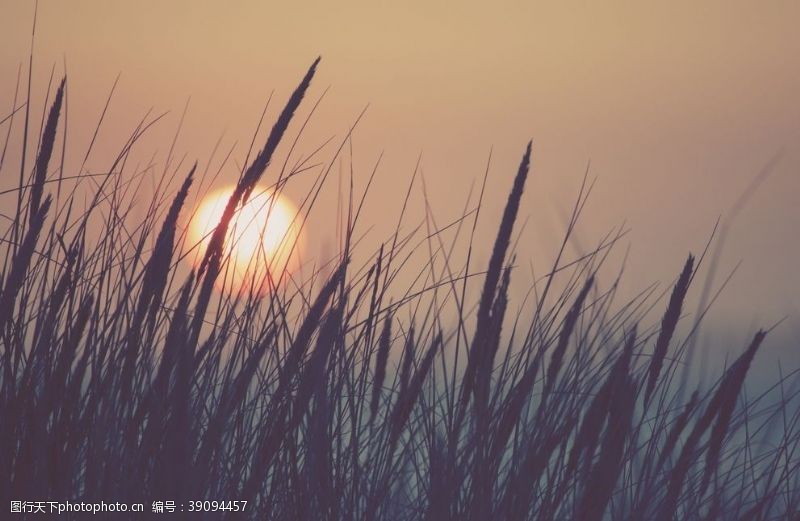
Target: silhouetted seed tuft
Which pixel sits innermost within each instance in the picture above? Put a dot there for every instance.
(45, 152)
(668, 324)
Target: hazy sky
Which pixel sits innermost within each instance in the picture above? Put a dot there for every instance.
(678, 107)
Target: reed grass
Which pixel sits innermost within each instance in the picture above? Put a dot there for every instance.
(343, 396)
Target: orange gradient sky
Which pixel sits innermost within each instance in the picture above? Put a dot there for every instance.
(677, 106)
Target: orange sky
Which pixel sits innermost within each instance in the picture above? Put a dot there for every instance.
(677, 107)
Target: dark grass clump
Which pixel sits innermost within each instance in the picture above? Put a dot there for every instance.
(337, 394)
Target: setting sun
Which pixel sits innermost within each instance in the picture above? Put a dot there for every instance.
(262, 243)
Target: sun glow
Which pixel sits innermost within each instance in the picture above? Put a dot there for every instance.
(263, 242)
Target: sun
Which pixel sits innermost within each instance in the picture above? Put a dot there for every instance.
(263, 244)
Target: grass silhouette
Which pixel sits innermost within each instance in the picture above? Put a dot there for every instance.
(122, 378)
